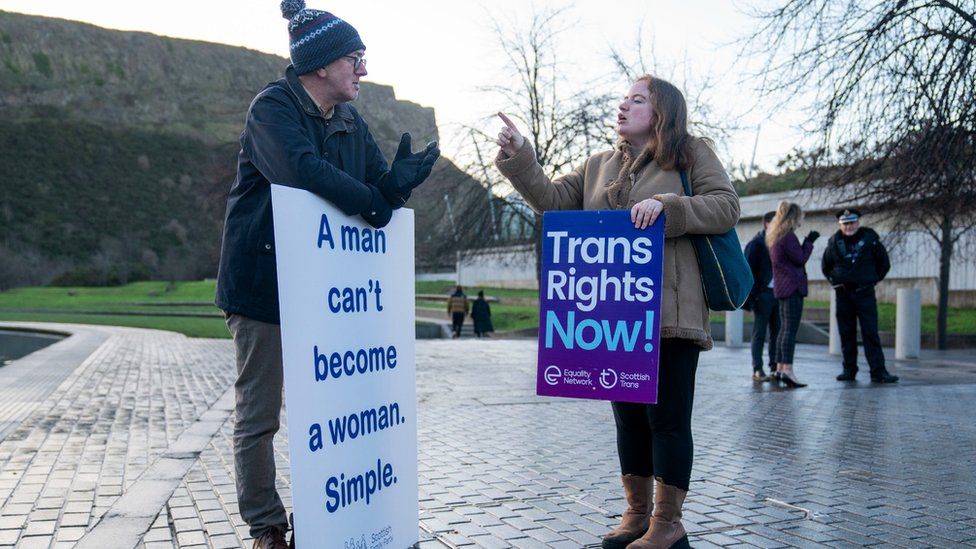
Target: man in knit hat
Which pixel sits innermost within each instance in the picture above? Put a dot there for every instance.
(301, 132)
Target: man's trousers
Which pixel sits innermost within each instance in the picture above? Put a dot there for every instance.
(260, 379)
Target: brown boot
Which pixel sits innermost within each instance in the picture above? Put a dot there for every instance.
(666, 531)
(635, 519)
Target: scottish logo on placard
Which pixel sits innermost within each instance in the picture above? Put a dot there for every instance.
(599, 306)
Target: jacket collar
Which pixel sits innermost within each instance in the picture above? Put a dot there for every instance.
(342, 113)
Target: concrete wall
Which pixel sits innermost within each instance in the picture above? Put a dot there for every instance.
(503, 267)
(914, 254)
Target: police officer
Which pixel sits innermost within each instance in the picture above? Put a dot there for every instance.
(854, 261)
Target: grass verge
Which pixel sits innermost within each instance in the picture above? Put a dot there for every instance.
(159, 305)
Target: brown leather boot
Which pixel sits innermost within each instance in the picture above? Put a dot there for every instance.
(635, 519)
(666, 531)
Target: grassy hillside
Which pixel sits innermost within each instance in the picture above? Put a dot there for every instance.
(69, 193)
(118, 149)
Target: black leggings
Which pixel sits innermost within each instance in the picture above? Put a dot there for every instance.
(655, 439)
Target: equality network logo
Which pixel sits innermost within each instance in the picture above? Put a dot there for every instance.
(553, 374)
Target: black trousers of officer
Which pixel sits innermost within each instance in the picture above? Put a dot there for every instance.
(859, 305)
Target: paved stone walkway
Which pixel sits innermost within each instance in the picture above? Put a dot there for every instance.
(833, 465)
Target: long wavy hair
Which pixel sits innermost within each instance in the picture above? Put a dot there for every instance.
(789, 216)
(670, 142)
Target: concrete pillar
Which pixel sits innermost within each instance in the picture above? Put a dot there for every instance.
(834, 348)
(733, 328)
(908, 323)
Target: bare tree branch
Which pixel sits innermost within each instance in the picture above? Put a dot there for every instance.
(894, 104)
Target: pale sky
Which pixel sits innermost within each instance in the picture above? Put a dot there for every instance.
(438, 52)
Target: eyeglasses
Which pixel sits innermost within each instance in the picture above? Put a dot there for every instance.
(358, 61)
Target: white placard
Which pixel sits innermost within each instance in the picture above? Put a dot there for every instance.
(346, 292)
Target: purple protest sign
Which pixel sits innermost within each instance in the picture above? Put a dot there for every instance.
(599, 306)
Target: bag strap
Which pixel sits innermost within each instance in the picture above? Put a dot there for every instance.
(684, 182)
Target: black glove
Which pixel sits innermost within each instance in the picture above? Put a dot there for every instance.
(812, 236)
(408, 171)
(379, 212)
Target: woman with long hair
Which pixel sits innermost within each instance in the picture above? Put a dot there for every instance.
(789, 258)
(641, 174)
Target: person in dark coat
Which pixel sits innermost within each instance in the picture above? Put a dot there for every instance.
(457, 309)
(762, 302)
(854, 261)
(789, 258)
(300, 131)
(481, 315)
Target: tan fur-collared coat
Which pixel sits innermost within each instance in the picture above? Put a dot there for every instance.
(713, 209)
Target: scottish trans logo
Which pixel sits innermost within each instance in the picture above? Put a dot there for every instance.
(608, 378)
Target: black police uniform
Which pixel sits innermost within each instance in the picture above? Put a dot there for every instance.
(853, 265)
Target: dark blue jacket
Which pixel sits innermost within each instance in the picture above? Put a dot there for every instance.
(757, 254)
(287, 141)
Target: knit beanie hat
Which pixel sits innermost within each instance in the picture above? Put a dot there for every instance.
(317, 38)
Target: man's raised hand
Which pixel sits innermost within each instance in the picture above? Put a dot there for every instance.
(408, 170)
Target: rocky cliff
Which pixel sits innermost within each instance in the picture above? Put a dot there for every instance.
(118, 148)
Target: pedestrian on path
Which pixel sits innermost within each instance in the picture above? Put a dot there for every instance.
(457, 309)
(762, 302)
(481, 316)
(642, 174)
(789, 258)
(300, 131)
(854, 261)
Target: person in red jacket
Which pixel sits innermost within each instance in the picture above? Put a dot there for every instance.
(789, 258)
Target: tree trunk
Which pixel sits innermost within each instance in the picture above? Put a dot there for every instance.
(945, 262)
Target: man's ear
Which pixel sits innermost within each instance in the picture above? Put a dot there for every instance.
(321, 72)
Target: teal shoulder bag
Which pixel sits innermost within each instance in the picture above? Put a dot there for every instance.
(725, 273)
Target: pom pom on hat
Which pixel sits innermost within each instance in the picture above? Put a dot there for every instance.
(290, 8)
(317, 38)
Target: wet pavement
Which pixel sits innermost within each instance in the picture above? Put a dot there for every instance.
(133, 443)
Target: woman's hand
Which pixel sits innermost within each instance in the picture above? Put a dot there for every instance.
(645, 213)
(509, 139)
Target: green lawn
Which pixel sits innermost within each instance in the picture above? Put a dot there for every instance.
(194, 296)
(446, 287)
(960, 320)
(186, 307)
(504, 317)
(193, 327)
